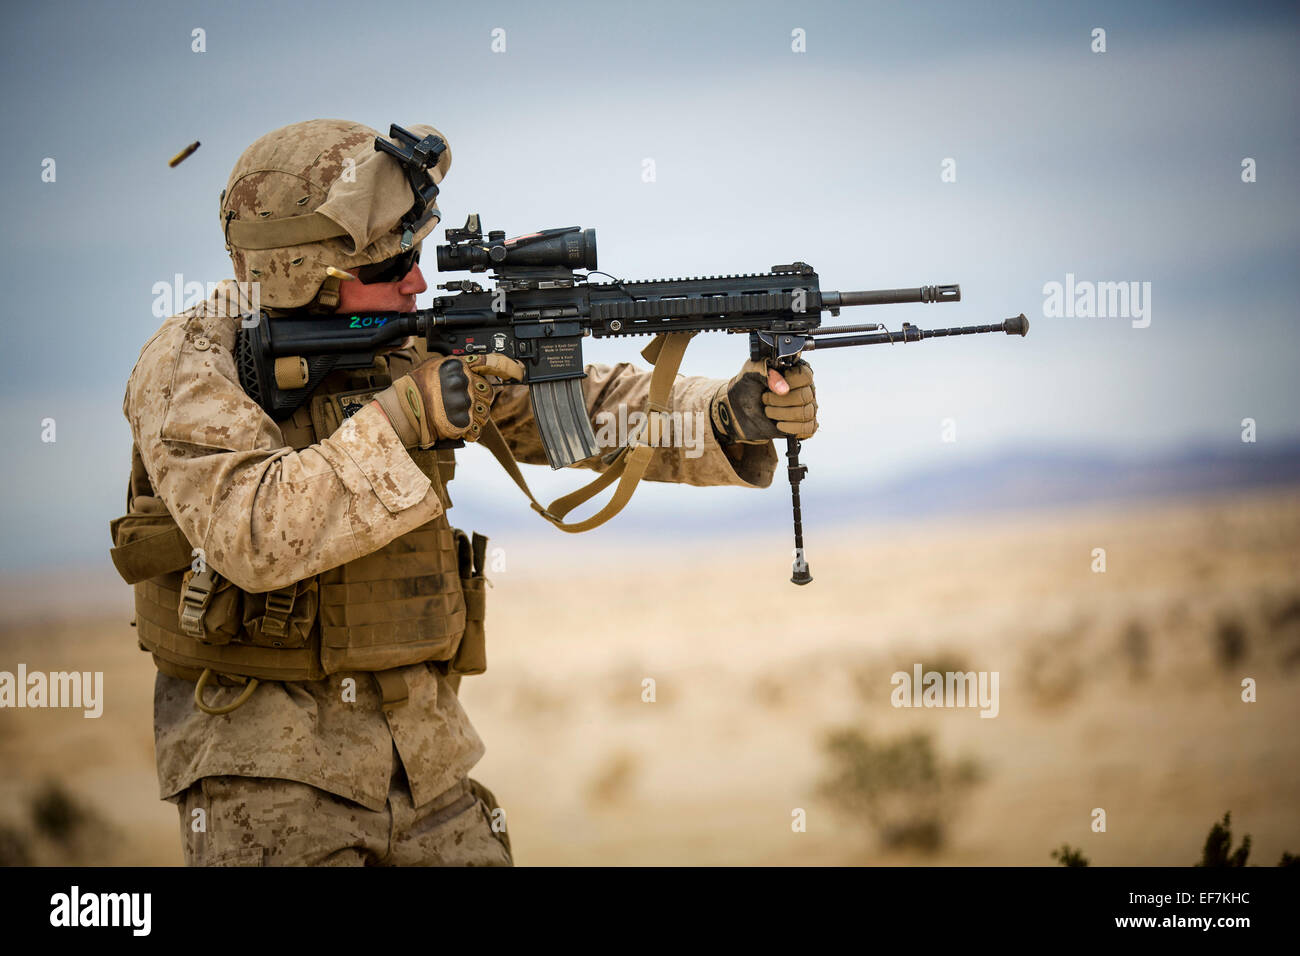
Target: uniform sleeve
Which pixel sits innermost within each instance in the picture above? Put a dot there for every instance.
(688, 452)
(264, 514)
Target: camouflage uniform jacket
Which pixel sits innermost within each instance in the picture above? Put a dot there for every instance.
(267, 515)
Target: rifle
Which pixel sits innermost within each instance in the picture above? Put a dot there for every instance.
(539, 313)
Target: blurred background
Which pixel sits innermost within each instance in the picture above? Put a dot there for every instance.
(957, 490)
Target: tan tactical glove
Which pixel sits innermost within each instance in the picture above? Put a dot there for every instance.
(748, 411)
(445, 397)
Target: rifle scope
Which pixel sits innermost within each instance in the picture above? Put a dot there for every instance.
(571, 247)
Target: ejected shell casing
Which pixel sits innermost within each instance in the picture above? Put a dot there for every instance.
(338, 273)
(183, 154)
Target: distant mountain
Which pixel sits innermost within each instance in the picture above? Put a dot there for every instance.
(1035, 479)
(1012, 480)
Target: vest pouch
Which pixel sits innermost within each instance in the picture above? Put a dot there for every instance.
(212, 604)
(400, 605)
(282, 618)
(471, 655)
(147, 541)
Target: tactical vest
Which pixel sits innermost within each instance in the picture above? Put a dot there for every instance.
(419, 598)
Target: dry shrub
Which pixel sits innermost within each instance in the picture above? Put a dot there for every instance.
(1229, 641)
(1218, 851)
(900, 788)
(63, 831)
(1135, 646)
(1067, 855)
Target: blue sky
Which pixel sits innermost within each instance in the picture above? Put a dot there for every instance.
(1115, 166)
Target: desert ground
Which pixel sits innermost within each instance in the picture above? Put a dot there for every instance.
(1118, 690)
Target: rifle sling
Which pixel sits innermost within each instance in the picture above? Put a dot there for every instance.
(665, 351)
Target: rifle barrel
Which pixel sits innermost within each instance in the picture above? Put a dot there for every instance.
(925, 293)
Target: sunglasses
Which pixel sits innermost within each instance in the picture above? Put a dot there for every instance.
(390, 270)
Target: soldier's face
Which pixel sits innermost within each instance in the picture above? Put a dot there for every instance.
(358, 296)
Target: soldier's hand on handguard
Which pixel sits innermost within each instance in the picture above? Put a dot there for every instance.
(445, 397)
(760, 404)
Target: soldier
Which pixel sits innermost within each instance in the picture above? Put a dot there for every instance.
(308, 606)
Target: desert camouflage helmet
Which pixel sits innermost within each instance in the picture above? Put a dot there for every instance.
(317, 194)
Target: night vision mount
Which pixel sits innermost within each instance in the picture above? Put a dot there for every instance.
(417, 156)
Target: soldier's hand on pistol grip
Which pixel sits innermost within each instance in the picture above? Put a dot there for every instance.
(760, 404)
(445, 397)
